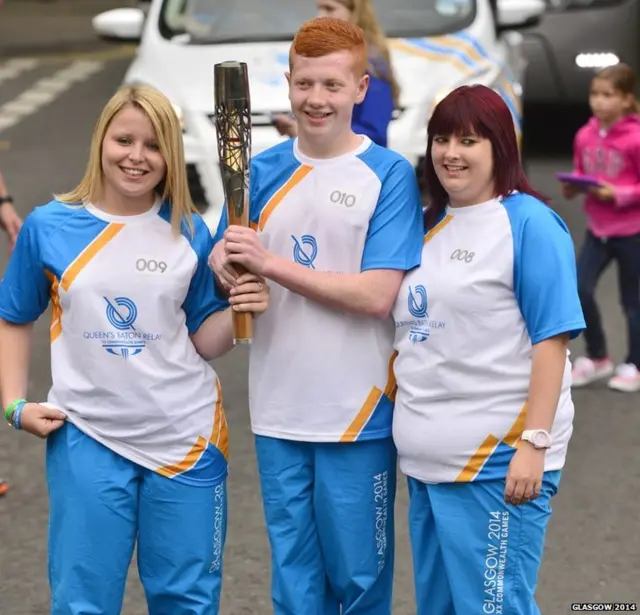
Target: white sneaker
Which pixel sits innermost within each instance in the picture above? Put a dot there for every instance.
(586, 370)
(626, 379)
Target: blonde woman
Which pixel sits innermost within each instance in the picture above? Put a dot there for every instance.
(134, 423)
(373, 115)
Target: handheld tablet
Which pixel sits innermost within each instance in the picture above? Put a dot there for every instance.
(582, 181)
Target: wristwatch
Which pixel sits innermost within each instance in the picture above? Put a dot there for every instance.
(540, 438)
(6, 199)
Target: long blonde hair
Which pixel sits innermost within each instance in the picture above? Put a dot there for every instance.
(174, 188)
(363, 14)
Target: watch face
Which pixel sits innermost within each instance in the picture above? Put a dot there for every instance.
(541, 439)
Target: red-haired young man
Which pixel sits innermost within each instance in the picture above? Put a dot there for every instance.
(338, 222)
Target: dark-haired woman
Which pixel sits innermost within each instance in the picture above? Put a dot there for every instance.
(483, 411)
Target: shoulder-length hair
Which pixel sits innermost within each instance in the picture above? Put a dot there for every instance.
(364, 15)
(174, 187)
(477, 109)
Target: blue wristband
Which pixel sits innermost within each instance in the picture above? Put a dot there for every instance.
(17, 416)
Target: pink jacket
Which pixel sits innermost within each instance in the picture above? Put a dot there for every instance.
(613, 157)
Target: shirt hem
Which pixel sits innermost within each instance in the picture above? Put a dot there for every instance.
(16, 320)
(394, 266)
(127, 453)
(196, 323)
(571, 327)
(298, 437)
(549, 467)
(616, 231)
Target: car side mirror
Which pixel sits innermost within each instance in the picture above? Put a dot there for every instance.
(121, 24)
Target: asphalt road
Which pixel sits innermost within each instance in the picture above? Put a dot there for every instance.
(593, 544)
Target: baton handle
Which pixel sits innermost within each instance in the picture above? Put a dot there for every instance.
(242, 321)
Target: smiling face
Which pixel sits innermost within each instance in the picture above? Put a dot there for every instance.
(132, 165)
(464, 166)
(323, 91)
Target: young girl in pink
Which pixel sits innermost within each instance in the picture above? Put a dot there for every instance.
(608, 149)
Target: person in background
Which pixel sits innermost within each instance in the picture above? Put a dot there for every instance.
(607, 149)
(372, 116)
(10, 222)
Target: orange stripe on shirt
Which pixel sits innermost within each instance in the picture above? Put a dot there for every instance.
(299, 174)
(483, 453)
(83, 259)
(513, 436)
(364, 414)
(188, 462)
(392, 387)
(478, 459)
(218, 438)
(370, 404)
(437, 228)
(220, 432)
(56, 309)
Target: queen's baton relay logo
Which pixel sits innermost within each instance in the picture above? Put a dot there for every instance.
(421, 327)
(418, 301)
(123, 340)
(305, 250)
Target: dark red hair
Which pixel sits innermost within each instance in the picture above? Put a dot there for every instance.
(476, 109)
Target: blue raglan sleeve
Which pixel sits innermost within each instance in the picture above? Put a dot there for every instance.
(203, 298)
(222, 225)
(395, 236)
(24, 290)
(545, 277)
(373, 115)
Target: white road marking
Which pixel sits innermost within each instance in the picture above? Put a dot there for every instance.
(14, 68)
(44, 91)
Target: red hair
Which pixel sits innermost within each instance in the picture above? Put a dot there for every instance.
(324, 35)
(477, 109)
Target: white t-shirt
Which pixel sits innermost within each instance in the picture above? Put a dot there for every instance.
(126, 294)
(318, 374)
(496, 278)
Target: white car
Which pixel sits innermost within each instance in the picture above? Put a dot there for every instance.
(436, 45)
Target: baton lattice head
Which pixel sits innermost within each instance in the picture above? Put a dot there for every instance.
(233, 127)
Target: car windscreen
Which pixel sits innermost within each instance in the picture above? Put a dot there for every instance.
(238, 21)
